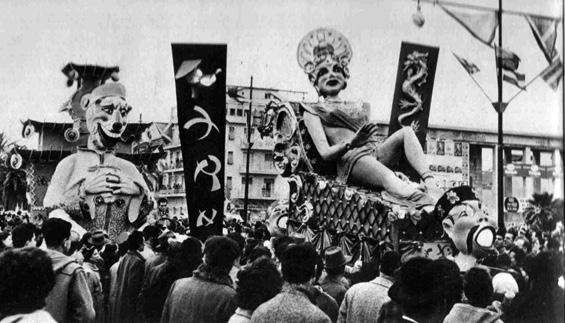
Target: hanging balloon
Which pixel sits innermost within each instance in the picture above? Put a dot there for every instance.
(29, 129)
(71, 135)
(16, 161)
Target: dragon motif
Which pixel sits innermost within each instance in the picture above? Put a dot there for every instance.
(416, 69)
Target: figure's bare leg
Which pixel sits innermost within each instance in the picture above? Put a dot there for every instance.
(370, 172)
(403, 140)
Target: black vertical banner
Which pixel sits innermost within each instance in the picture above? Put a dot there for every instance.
(413, 91)
(200, 82)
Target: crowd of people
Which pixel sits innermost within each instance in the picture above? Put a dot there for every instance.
(155, 274)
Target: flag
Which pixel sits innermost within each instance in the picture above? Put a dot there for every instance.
(514, 78)
(509, 62)
(553, 73)
(482, 25)
(469, 66)
(545, 32)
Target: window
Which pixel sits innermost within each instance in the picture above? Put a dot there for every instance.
(487, 161)
(230, 157)
(250, 181)
(546, 185)
(229, 183)
(518, 186)
(232, 112)
(546, 158)
(231, 133)
(239, 112)
(517, 155)
(267, 189)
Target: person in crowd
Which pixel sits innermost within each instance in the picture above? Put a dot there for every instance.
(279, 246)
(182, 259)
(258, 252)
(508, 239)
(363, 301)
(5, 240)
(236, 265)
(363, 271)
(23, 235)
(26, 277)
(523, 243)
(92, 264)
(207, 296)
(295, 302)
(479, 293)
(499, 241)
(122, 242)
(70, 299)
(335, 284)
(150, 235)
(257, 283)
(129, 279)
(450, 284)
(542, 300)
(160, 251)
(418, 291)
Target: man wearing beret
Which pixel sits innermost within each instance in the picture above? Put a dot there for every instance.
(207, 296)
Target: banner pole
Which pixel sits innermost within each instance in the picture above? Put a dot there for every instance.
(249, 144)
(500, 111)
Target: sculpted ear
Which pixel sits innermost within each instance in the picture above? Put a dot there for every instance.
(85, 101)
(448, 227)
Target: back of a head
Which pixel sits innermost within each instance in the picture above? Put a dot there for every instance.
(135, 240)
(21, 234)
(237, 238)
(191, 253)
(221, 252)
(503, 260)
(449, 280)
(26, 277)
(259, 252)
(150, 233)
(280, 244)
(389, 262)
(55, 231)
(258, 283)
(478, 287)
(298, 263)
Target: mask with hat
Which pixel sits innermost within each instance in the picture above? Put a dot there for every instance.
(470, 229)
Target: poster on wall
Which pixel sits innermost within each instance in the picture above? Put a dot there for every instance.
(200, 84)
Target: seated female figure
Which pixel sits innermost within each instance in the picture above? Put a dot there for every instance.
(342, 132)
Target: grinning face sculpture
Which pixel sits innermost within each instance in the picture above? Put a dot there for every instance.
(330, 78)
(106, 115)
(470, 229)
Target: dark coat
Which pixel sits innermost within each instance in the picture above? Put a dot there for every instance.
(128, 286)
(199, 299)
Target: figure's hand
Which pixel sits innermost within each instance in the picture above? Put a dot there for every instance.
(125, 186)
(98, 184)
(363, 134)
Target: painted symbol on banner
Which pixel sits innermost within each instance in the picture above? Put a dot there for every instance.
(205, 119)
(202, 217)
(217, 167)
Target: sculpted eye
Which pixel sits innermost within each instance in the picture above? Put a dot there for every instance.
(338, 69)
(108, 109)
(323, 71)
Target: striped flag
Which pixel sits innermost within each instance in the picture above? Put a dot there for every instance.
(469, 66)
(545, 32)
(509, 62)
(482, 25)
(553, 73)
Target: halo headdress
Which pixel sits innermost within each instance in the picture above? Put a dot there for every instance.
(323, 45)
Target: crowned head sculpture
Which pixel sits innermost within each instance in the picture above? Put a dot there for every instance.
(324, 54)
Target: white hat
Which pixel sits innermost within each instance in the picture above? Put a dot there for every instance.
(505, 284)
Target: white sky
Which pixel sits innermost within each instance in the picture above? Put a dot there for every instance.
(38, 39)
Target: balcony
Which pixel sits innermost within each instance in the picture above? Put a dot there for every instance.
(261, 169)
(176, 192)
(174, 167)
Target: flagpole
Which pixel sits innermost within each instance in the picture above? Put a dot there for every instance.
(249, 144)
(500, 111)
(481, 88)
(475, 7)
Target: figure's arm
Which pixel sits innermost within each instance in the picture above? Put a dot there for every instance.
(318, 135)
(327, 152)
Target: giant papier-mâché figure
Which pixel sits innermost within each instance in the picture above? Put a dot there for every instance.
(467, 225)
(341, 130)
(97, 189)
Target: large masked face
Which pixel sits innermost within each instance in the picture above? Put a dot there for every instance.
(106, 120)
(470, 229)
(330, 78)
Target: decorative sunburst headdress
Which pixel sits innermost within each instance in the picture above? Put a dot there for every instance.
(323, 45)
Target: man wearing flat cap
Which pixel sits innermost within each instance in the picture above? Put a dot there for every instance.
(97, 189)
